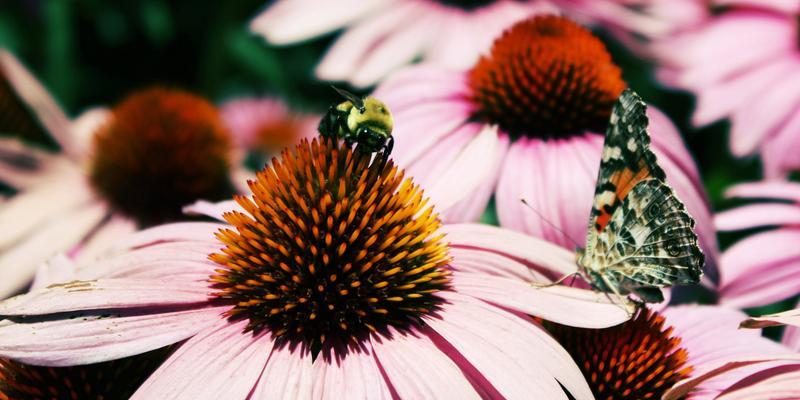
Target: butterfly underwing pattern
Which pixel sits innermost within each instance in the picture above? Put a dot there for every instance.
(640, 236)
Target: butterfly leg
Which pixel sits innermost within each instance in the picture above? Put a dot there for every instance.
(620, 300)
(558, 282)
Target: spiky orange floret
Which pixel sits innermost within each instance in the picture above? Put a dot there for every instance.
(635, 360)
(333, 245)
(162, 149)
(111, 380)
(546, 77)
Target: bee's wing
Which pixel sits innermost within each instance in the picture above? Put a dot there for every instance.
(358, 102)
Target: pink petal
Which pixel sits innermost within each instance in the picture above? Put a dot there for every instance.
(90, 337)
(777, 155)
(420, 84)
(401, 47)
(220, 362)
(512, 244)
(350, 373)
(519, 359)
(349, 50)
(757, 215)
(791, 317)
(288, 22)
(417, 369)
(104, 238)
(468, 170)
(667, 142)
(723, 98)
(40, 102)
(751, 125)
(104, 294)
(684, 387)
(564, 305)
(167, 262)
(84, 128)
(57, 269)
(420, 128)
(785, 6)
(488, 263)
(32, 208)
(176, 232)
(760, 269)
(766, 190)
(288, 375)
(19, 263)
(775, 383)
(211, 209)
(471, 208)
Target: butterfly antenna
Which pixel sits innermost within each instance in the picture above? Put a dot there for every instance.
(577, 245)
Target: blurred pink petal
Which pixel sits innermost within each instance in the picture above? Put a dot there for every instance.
(19, 263)
(766, 190)
(55, 270)
(755, 215)
(740, 88)
(297, 20)
(195, 372)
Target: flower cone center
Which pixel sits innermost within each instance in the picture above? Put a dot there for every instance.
(546, 77)
(161, 150)
(639, 359)
(333, 245)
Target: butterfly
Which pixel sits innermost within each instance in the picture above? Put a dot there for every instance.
(640, 237)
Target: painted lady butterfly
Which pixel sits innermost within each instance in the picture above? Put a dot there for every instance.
(640, 236)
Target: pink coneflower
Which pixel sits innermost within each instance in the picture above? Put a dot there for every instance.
(742, 87)
(382, 35)
(525, 123)
(763, 267)
(648, 355)
(334, 281)
(266, 125)
(156, 151)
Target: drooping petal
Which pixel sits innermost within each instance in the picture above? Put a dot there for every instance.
(288, 375)
(55, 270)
(518, 358)
(765, 190)
(103, 239)
(417, 369)
(221, 362)
(85, 337)
(177, 232)
(349, 373)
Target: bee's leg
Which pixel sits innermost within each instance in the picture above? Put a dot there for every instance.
(388, 146)
(620, 301)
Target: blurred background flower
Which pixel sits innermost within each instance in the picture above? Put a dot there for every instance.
(744, 88)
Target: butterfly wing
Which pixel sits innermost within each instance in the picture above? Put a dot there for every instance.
(640, 234)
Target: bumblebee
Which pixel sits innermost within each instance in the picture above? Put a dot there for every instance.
(366, 122)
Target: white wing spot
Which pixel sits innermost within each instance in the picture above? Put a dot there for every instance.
(632, 144)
